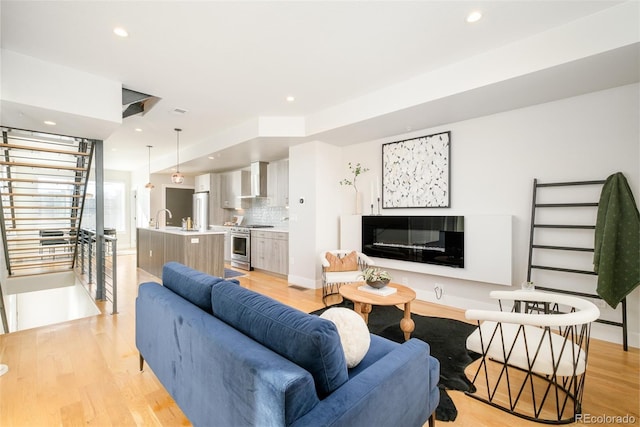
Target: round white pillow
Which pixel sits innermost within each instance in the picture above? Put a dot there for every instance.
(354, 334)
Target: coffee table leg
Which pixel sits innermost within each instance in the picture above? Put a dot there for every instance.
(407, 324)
(362, 309)
(366, 309)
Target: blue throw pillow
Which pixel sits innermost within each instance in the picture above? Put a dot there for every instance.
(192, 285)
(308, 341)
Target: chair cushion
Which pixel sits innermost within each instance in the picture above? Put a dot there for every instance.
(353, 331)
(307, 340)
(347, 263)
(343, 276)
(192, 285)
(553, 350)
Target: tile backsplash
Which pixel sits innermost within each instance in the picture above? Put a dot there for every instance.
(261, 213)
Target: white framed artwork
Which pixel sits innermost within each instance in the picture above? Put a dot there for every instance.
(416, 172)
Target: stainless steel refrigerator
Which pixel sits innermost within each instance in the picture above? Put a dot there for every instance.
(201, 211)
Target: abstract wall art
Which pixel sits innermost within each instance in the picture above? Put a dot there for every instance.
(416, 172)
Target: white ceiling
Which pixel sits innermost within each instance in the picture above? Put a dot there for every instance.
(230, 63)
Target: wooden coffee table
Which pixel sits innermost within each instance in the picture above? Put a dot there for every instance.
(362, 302)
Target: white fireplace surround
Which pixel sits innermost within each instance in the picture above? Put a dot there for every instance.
(481, 232)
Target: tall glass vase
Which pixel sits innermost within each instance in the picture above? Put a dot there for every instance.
(358, 210)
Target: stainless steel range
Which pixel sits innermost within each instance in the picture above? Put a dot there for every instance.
(241, 245)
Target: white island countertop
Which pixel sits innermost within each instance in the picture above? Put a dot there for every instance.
(179, 231)
(276, 229)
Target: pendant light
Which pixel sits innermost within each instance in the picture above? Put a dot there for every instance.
(149, 185)
(177, 178)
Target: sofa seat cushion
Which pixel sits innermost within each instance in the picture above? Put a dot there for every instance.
(308, 341)
(192, 285)
(378, 348)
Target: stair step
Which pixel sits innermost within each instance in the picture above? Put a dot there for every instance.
(40, 207)
(43, 180)
(48, 219)
(42, 165)
(43, 149)
(57, 195)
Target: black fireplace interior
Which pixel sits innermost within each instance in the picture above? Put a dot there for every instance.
(427, 239)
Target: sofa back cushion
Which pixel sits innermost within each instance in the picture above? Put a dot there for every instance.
(308, 341)
(192, 285)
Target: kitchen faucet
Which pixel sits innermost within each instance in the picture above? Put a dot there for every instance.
(158, 216)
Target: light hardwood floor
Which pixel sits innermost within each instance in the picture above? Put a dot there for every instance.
(85, 371)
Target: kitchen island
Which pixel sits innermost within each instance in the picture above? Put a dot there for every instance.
(200, 250)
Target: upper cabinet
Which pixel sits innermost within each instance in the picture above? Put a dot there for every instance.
(203, 182)
(233, 185)
(278, 183)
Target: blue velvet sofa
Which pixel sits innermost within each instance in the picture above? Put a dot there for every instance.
(233, 357)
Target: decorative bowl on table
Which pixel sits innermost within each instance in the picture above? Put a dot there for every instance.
(375, 277)
(378, 284)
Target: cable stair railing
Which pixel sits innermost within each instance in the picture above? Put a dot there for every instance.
(43, 181)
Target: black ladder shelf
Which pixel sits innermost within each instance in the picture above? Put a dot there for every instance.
(537, 246)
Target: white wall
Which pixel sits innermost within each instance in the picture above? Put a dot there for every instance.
(150, 201)
(81, 103)
(302, 215)
(313, 222)
(494, 160)
(328, 208)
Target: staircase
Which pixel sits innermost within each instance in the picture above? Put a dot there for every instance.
(43, 179)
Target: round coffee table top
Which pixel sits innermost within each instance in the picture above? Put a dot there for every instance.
(404, 295)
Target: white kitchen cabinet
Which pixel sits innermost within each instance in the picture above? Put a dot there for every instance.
(203, 182)
(233, 185)
(278, 183)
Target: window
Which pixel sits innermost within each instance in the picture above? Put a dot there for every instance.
(114, 206)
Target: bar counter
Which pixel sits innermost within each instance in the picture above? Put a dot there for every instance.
(201, 250)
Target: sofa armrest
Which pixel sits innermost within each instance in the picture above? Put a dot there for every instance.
(397, 390)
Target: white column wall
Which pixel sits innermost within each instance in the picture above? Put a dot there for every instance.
(314, 208)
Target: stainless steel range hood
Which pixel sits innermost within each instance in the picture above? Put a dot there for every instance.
(258, 180)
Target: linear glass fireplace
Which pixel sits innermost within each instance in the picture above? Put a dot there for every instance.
(427, 239)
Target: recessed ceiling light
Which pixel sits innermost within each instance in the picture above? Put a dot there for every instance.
(211, 157)
(49, 122)
(138, 130)
(120, 32)
(474, 16)
(291, 98)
